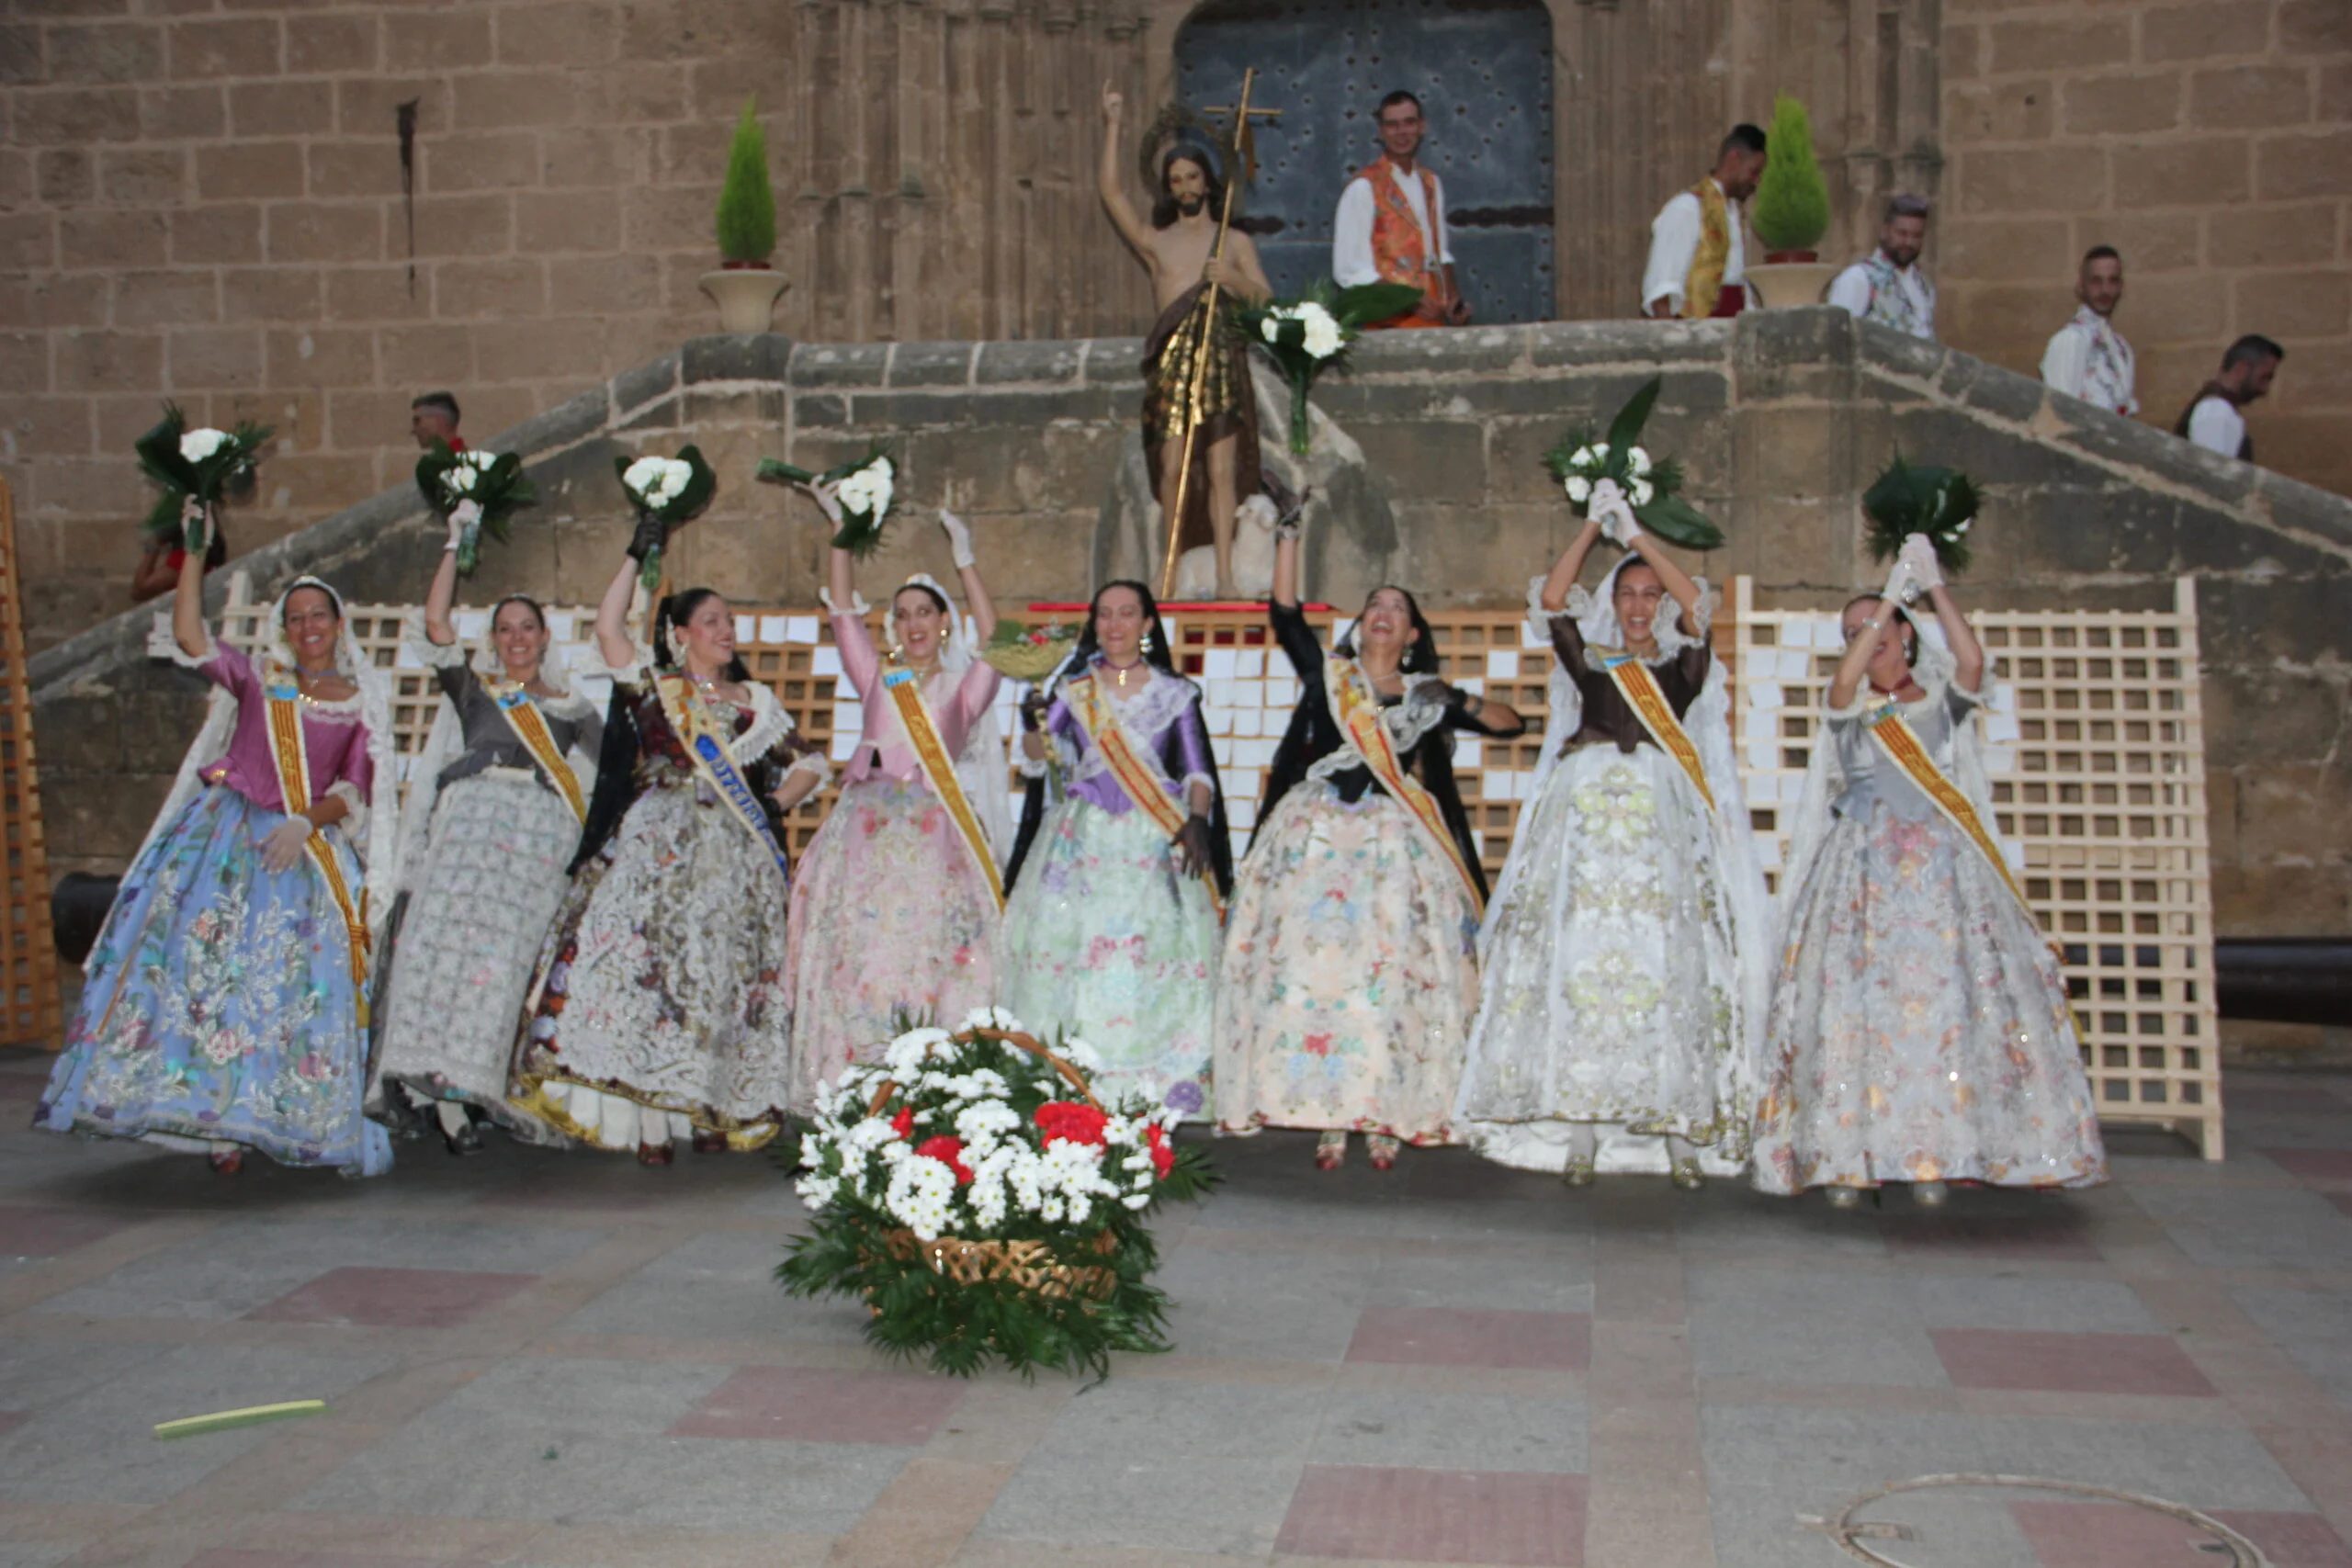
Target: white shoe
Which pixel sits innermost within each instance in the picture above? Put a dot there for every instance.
(1930, 1194)
(1843, 1197)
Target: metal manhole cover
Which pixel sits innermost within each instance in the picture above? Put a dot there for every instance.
(2222, 1546)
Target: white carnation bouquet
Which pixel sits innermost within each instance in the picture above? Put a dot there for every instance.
(477, 490)
(192, 469)
(866, 487)
(1312, 333)
(981, 1199)
(671, 490)
(1652, 487)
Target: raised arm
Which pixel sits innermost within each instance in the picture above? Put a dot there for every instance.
(979, 605)
(1106, 180)
(1855, 666)
(439, 629)
(1967, 654)
(187, 606)
(1286, 567)
(1675, 581)
(612, 617)
(1565, 569)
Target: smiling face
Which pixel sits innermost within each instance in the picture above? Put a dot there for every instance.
(918, 624)
(521, 638)
(1385, 629)
(1901, 237)
(312, 625)
(1401, 129)
(705, 638)
(1889, 668)
(1119, 622)
(2101, 285)
(1637, 599)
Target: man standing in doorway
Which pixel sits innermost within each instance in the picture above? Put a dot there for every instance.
(2214, 418)
(1698, 265)
(1887, 285)
(1391, 223)
(1175, 250)
(2088, 358)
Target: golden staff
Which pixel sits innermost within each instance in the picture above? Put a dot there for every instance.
(1193, 388)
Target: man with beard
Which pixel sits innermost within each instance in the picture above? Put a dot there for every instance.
(1698, 265)
(2088, 358)
(1887, 285)
(1175, 250)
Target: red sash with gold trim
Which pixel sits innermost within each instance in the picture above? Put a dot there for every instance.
(292, 760)
(906, 693)
(1640, 689)
(1360, 721)
(1099, 716)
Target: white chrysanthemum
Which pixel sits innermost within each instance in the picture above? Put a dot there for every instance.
(1579, 488)
(1324, 338)
(657, 481)
(1271, 328)
(198, 445)
(867, 493)
(1641, 492)
(906, 1054)
(1637, 462)
(993, 1018)
(984, 1120)
(1081, 1055)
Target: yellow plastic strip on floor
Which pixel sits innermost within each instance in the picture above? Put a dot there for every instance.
(224, 1420)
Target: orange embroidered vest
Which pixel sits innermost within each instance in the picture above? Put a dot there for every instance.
(1397, 248)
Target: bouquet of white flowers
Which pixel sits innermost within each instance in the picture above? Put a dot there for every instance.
(478, 490)
(1308, 335)
(671, 490)
(193, 468)
(866, 489)
(1916, 499)
(1652, 487)
(974, 1192)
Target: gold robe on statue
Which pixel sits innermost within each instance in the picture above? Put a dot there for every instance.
(1228, 404)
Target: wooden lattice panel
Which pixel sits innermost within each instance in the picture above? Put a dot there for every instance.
(2094, 749)
(32, 1011)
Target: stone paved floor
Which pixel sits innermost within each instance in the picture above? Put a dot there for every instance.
(548, 1359)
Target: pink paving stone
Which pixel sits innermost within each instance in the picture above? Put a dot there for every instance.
(2115, 1535)
(1460, 1336)
(2313, 1165)
(392, 1298)
(47, 1232)
(2046, 1238)
(2069, 1363)
(1436, 1516)
(810, 1404)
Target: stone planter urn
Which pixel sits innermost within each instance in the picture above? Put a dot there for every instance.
(746, 296)
(1784, 284)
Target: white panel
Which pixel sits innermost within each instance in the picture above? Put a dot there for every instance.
(1502, 666)
(747, 629)
(844, 742)
(1249, 721)
(1216, 663)
(1467, 750)
(1766, 695)
(775, 628)
(850, 714)
(800, 629)
(1250, 663)
(825, 661)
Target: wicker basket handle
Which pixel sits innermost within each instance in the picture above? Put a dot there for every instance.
(1009, 1037)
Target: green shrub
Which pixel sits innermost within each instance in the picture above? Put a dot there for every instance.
(1791, 211)
(747, 201)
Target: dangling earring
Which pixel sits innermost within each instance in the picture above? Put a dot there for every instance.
(1149, 643)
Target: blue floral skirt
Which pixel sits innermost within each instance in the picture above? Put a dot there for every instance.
(218, 1007)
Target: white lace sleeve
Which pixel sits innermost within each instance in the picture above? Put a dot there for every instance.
(355, 822)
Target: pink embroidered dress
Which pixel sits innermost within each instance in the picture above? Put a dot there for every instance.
(891, 911)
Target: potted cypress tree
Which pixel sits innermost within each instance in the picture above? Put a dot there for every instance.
(1790, 213)
(745, 285)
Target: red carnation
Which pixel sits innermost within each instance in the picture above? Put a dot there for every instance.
(1067, 1122)
(1163, 1156)
(948, 1152)
(903, 1123)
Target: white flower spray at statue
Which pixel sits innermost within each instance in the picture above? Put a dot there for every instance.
(1308, 335)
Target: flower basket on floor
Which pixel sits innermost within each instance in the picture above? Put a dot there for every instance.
(985, 1204)
(1026, 652)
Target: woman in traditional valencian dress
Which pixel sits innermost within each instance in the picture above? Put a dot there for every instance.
(225, 1005)
(1111, 929)
(1622, 964)
(1349, 974)
(1919, 1029)
(663, 1007)
(492, 821)
(896, 906)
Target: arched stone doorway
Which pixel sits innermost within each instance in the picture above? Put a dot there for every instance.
(1483, 72)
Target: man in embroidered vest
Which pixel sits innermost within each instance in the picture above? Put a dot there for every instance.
(1175, 250)
(2212, 418)
(1887, 285)
(1698, 265)
(1391, 224)
(2088, 358)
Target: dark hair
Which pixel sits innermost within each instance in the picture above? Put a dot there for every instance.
(676, 610)
(938, 600)
(2102, 252)
(1156, 648)
(1904, 205)
(1399, 96)
(1910, 649)
(2251, 349)
(1743, 138)
(445, 401)
(538, 611)
(315, 586)
(1163, 206)
(1421, 654)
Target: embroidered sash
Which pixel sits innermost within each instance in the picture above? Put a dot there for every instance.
(1900, 741)
(1359, 720)
(1099, 716)
(1640, 689)
(292, 760)
(1703, 284)
(906, 693)
(530, 726)
(691, 722)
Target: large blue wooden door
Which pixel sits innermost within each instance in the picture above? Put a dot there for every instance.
(1483, 72)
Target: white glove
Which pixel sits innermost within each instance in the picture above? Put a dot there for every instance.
(959, 538)
(462, 517)
(1920, 556)
(284, 845)
(1899, 587)
(827, 493)
(1615, 512)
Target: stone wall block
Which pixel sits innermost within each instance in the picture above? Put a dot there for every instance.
(376, 293)
(509, 99)
(325, 232)
(1554, 344)
(750, 357)
(494, 161)
(321, 357)
(931, 365)
(549, 223)
(1419, 354)
(2291, 306)
(2102, 105)
(65, 177)
(22, 61)
(2039, 248)
(2017, 109)
(545, 350)
(281, 108)
(568, 34)
(2032, 180)
(1439, 459)
(2209, 170)
(2304, 510)
(2203, 30)
(215, 359)
(73, 116)
(2291, 167)
(2249, 97)
(171, 114)
(368, 106)
(103, 52)
(245, 170)
(600, 286)
(2299, 235)
(47, 427)
(203, 236)
(107, 361)
(464, 225)
(165, 299)
(2150, 242)
(214, 49)
(1001, 363)
(661, 415)
(24, 362)
(2069, 42)
(345, 169)
(456, 39)
(2313, 27)
(331, 44)
(427, 356)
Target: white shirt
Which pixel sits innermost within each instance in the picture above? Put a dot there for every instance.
(2088, 358)
(1852, 293)
(2216, 425)
(1351, 259)
(1674, 243)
